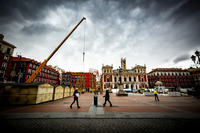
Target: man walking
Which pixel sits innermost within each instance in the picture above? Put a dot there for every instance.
(107, 98)
(156, 95)
(76, 95)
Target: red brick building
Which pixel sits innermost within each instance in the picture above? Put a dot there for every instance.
(22, 68)
(79, 80)
(170, 77)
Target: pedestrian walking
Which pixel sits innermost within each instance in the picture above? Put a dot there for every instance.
(107, 98)
(156, 95)
(76, 95)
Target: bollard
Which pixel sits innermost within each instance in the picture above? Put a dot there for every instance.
(95, 100)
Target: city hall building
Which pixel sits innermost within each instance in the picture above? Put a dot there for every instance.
(134, 79)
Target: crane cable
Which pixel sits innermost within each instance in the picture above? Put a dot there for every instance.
(84, 44)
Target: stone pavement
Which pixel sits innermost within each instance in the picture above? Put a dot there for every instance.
(133, 106)
(135, 113)
(99, 125)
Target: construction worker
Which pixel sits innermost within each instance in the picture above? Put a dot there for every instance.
(156, 95)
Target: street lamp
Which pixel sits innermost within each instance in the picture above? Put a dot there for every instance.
(193, 57)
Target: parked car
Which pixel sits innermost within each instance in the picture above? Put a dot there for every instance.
(128, 90)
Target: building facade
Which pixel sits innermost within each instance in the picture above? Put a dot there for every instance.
(81, 80)
(170, 77)
(22, 68)
(134, 79)
(195, 75)
(67, 79)
(6, 52)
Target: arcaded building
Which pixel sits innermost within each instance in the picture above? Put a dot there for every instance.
(170, 77)
(134, 78)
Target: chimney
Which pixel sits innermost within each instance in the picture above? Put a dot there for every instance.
(1, 36)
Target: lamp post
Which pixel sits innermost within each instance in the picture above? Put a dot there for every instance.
(196, 59)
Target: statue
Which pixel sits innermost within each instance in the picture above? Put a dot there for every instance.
(121, 92)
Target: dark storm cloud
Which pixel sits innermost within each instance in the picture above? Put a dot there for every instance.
(181, 58)
(20, 10)
(130, 28)
(37, 29)
(187, 17)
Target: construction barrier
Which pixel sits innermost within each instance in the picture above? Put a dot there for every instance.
(66, 91)
(71, 91)
(26, 93)
(32, 93)
(58, 92)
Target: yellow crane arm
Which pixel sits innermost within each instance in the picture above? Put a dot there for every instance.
(39, 69)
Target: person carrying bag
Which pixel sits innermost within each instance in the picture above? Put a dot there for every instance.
(76, 95)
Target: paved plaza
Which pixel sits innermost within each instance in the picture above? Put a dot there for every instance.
(134, 112)
(131, 106)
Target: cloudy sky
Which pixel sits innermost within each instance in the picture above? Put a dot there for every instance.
(158, 33)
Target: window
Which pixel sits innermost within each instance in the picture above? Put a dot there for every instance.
(127, 86)
(1, 73)
(130, 79)
(29, 71)
(107, 79)
(28, 76)
(6, 57)
(4, 65)
(30, 66)
(8, 51)
(135, 79)
(124, 79)
(115, 79)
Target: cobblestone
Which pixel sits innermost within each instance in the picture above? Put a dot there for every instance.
(99, 125)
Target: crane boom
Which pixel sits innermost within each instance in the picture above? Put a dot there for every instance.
(38, 70)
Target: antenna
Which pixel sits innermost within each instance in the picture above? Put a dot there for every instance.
(84, 45)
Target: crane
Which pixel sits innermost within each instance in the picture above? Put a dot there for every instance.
(38, 70)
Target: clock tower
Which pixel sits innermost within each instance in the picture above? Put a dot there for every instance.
(123, 63)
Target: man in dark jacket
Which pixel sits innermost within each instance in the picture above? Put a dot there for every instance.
(76, 95)
(107, 98)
